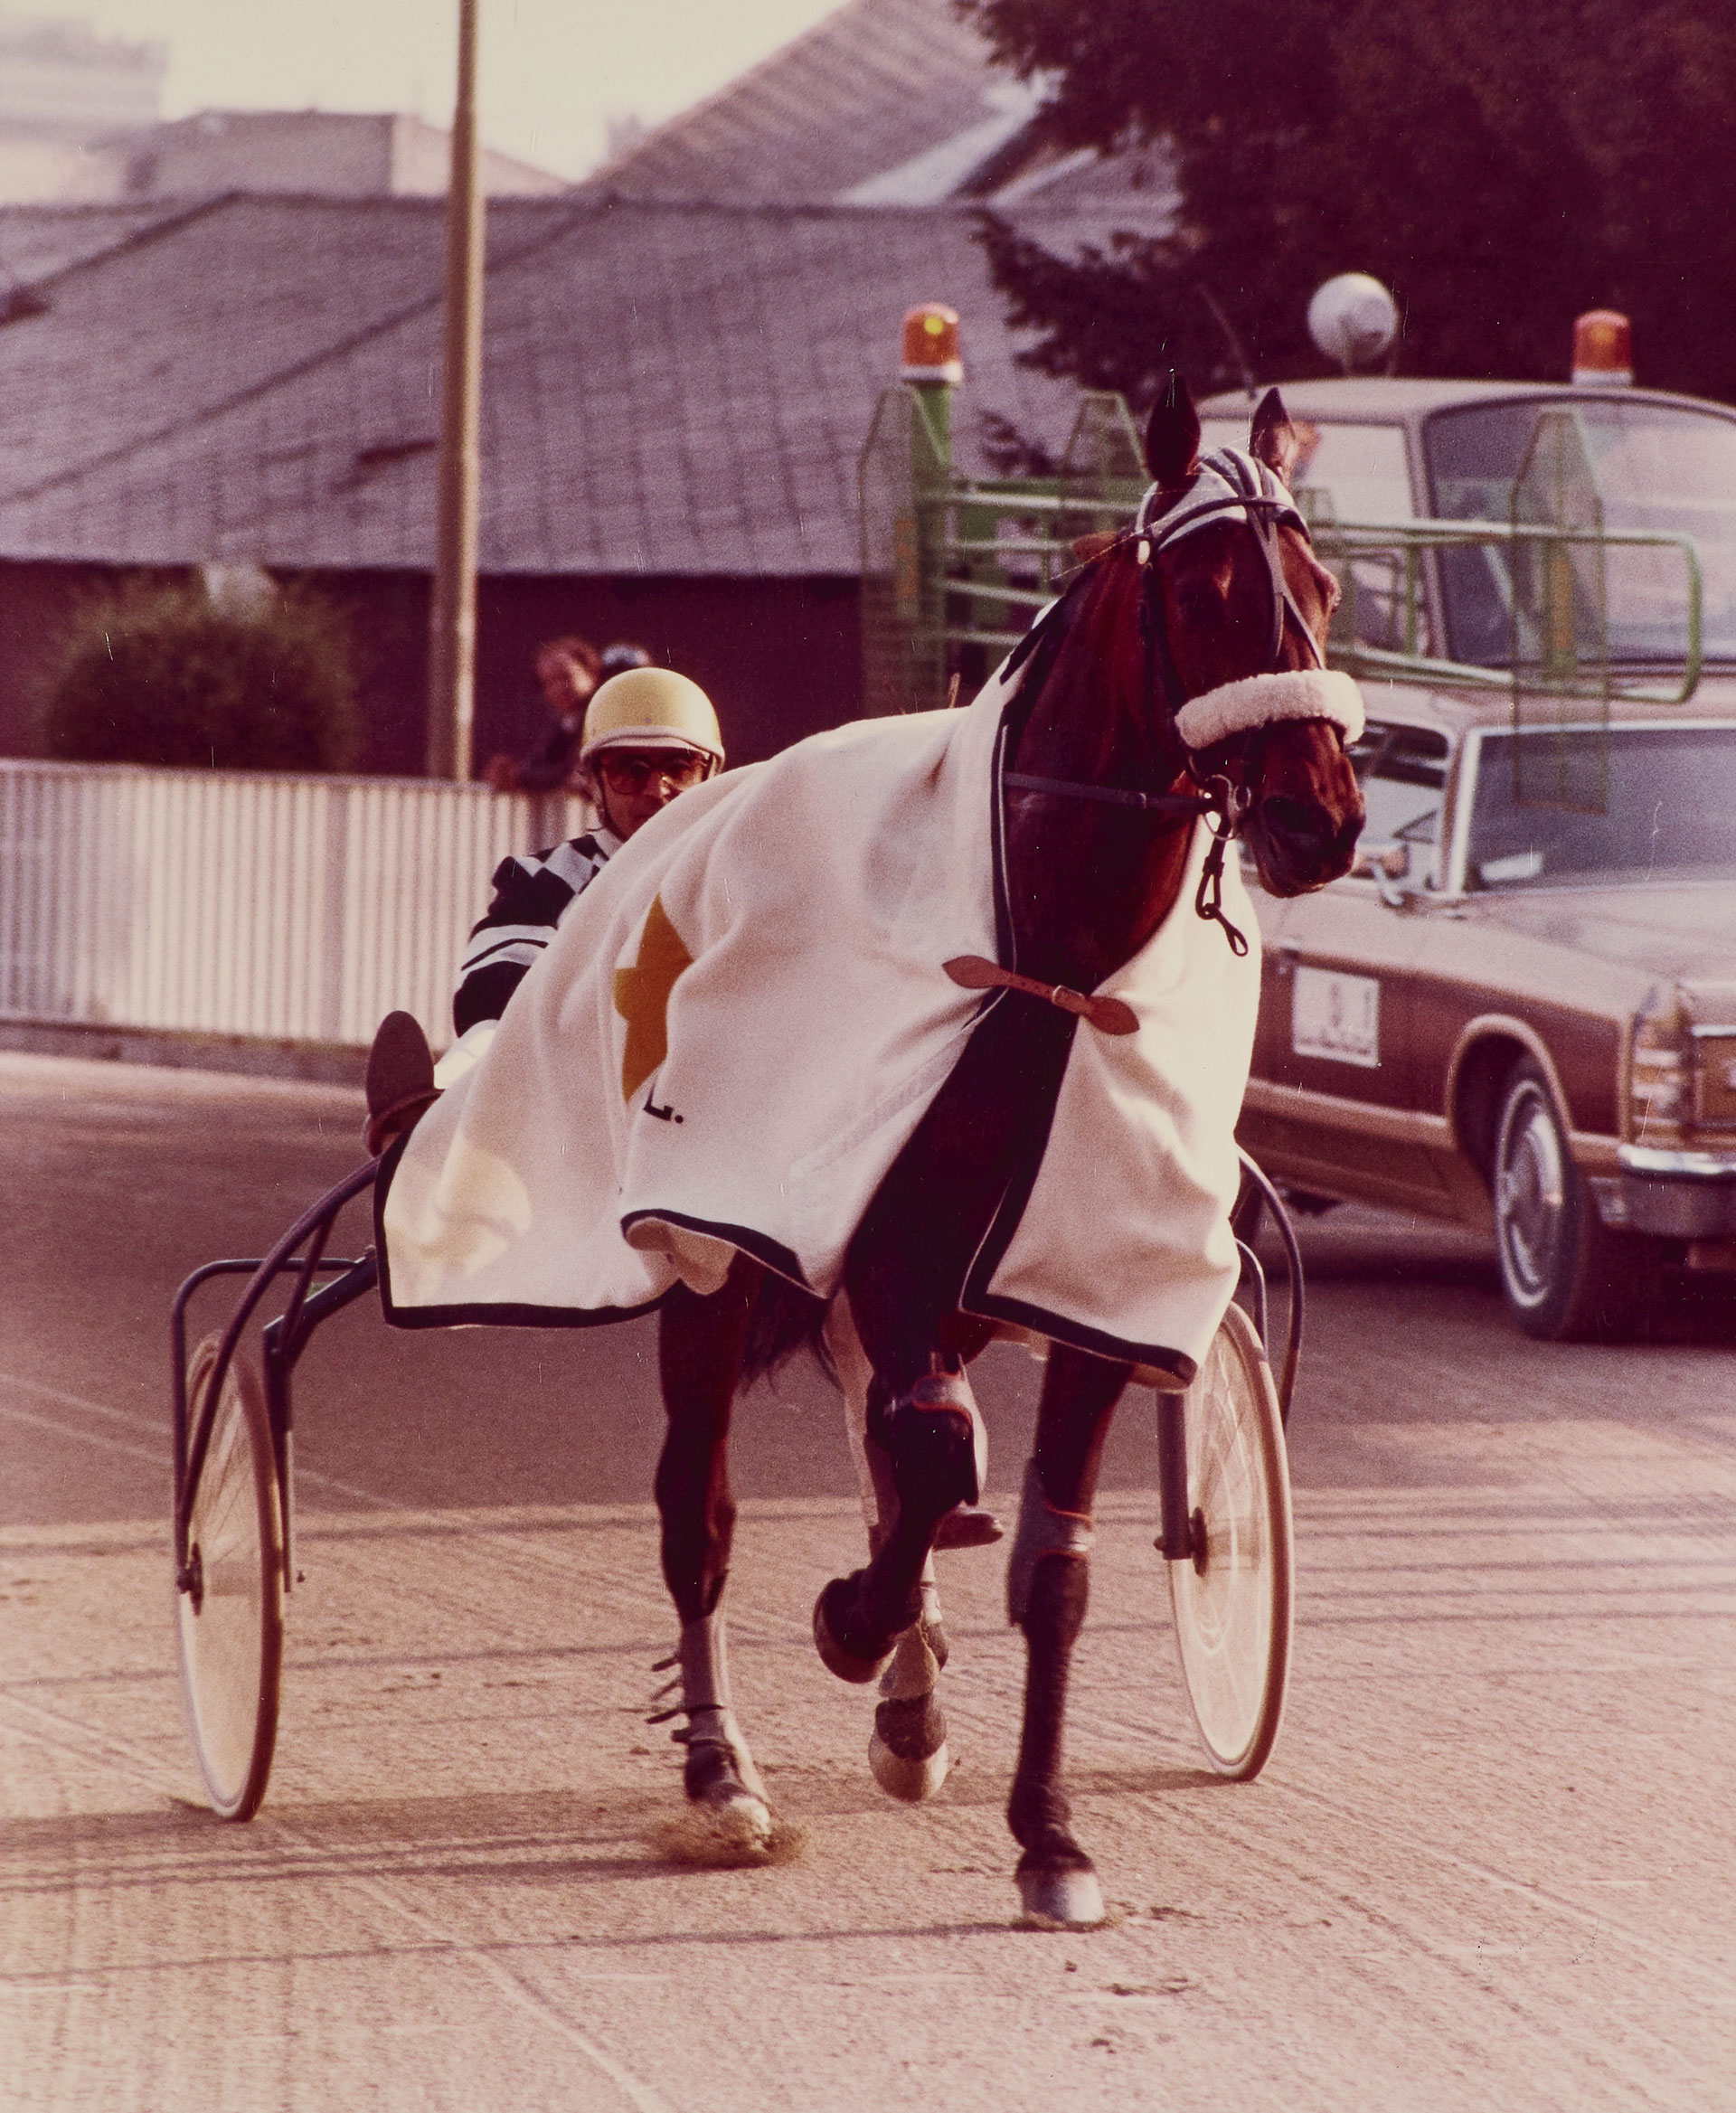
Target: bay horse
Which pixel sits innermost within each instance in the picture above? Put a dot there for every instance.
(1101, 809)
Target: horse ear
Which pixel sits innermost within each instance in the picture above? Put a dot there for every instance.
(1173, 435)
(1273, 439)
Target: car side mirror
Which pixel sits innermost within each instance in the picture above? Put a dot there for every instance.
(1386, 867)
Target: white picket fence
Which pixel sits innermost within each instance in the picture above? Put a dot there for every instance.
(228, 902)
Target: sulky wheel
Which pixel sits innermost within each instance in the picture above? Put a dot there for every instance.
(229, 1617)
(1232, 1600)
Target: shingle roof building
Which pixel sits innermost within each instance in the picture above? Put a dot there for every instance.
(37, 240)
(192, 309)
(338, 152)
(668, 388)
(681, 358)
(681, 361)
(905, 75)
(893, 103)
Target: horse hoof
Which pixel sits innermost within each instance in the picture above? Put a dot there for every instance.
(734, 1820)
(908, 1750)
(829, 1618)
(967, 1527)
(1061, 1899)
(909, 1780)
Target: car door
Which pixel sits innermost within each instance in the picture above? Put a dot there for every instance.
(1335, 1099)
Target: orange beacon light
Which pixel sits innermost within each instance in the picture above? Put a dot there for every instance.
(928, 346)
(1603, 348)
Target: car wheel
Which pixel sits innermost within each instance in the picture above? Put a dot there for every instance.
(1564, 1274)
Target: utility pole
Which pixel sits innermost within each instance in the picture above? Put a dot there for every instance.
(452, 622)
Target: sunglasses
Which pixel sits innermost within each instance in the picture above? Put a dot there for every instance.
(623, 771)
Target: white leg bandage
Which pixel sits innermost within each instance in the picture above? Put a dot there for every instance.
(705, 1694)
(855, 1376)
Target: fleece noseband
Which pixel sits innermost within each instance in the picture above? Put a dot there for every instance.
(1308, 693)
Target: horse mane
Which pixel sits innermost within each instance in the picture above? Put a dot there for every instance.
(1085, 883)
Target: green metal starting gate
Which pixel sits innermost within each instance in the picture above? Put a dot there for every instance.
(955, 569)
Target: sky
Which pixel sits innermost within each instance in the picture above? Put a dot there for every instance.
(552, 72)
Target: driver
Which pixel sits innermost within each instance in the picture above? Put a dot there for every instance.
(649, 734)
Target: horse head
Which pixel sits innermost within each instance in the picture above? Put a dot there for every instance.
(1234, 602)
(1187, 653)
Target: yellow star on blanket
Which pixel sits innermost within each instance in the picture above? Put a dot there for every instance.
(642, 996)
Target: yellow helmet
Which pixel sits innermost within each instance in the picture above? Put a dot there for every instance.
(649, 707)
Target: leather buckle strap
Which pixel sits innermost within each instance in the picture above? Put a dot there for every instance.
(1108, 1015)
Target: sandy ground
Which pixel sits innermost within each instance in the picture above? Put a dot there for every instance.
(1489, 1865)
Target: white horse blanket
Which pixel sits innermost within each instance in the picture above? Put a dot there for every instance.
(740, 1022)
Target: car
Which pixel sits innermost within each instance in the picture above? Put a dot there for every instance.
(1518, 1012)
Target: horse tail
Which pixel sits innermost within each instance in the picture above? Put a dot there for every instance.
(785, 1320)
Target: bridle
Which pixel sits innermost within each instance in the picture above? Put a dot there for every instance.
(1221, 800)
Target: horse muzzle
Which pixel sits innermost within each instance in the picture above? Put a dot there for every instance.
(1300, 845)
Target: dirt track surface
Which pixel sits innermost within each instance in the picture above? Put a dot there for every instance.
(1490, 1863)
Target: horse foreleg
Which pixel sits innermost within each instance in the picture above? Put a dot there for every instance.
(933, 1437)
(873, 1467)
(904, 1275)
(908, 1750)
(855, 1377)
(699, 1347)
(1047, 1588)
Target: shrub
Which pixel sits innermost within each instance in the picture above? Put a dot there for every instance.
(166, 675)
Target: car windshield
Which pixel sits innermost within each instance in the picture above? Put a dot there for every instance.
(1668, 796)
(1658, 467)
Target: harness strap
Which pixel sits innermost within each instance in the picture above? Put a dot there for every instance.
(1149, 803)
(1208, 903)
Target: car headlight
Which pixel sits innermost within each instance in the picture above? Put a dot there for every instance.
(1660, 1073)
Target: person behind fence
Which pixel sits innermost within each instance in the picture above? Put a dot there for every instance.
(621, 654)
(567, 671)
(649, 735)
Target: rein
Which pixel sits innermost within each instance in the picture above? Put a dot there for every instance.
(1149, 803)
(1222, 803)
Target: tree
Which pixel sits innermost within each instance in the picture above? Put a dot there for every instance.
(1501, 168)
(161, 675)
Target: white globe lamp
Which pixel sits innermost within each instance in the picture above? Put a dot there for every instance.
(1354, 320)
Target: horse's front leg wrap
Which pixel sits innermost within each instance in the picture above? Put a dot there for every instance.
(712, 1736)
(938, 1449)
(1043, 1531)
(1048, 1591)
(938, 1445)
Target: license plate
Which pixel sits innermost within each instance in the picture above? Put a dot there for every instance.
(1336, 1017)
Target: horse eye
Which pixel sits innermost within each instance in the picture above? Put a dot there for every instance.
(1200, 599)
